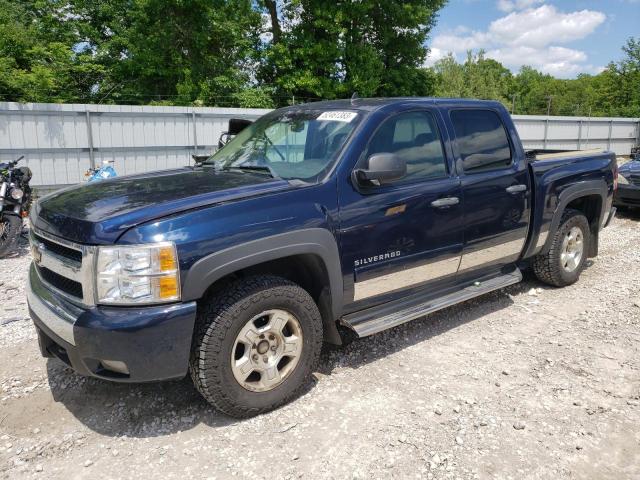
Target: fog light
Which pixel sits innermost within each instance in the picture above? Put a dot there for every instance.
(115, 366)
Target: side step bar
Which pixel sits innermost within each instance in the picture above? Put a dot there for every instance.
(376, 325)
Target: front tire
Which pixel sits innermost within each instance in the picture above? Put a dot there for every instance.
(255, 346)
(563, 263)
(10, 229)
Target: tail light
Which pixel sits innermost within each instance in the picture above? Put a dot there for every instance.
(615, 175)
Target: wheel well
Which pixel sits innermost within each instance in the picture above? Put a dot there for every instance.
(591, 207)
(306, 270)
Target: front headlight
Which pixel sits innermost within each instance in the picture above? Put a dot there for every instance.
(134, 274)
(622, 180)
(17, 193)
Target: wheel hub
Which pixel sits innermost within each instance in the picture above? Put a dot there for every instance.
(266, 350)
(263, 347)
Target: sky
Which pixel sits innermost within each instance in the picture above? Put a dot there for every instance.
(561, 37)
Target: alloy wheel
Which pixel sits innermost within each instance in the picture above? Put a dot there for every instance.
(266, 350)
(572, 249)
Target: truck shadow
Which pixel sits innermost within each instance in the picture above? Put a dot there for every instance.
(163, 408)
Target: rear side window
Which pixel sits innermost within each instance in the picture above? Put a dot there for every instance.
(482, 140)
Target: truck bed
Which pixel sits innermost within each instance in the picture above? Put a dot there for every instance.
(561, 154)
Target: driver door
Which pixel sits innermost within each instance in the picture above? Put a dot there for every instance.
(407, 235)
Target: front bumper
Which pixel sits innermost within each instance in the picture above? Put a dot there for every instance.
(125, 344)
(627, 196)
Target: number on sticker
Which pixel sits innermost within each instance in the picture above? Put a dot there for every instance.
(337, 116)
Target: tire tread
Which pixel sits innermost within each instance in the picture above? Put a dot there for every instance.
(217, 313)
(546, 267)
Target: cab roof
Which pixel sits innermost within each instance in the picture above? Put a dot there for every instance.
(373, 104)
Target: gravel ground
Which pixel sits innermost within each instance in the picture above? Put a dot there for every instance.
(528, 382)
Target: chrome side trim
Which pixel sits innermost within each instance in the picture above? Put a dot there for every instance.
(405, 278)
(491, 254)
(397, 318)
(58, 320)
(83, 273)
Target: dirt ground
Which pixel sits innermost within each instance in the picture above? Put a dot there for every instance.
(528, 382)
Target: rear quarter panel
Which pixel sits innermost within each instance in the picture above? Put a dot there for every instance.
(558, 181)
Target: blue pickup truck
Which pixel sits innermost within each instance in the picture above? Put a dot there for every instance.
(317, 223)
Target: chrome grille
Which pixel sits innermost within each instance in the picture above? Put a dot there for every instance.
(61, 250)
(64, 284)
(64, 266)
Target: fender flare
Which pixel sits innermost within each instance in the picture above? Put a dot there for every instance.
(315, 241)
(583, 189)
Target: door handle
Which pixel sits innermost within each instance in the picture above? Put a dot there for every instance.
(516, 188)
(445, 202)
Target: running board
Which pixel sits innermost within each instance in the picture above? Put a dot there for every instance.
(375, 325)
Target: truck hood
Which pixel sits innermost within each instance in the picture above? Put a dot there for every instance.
(99, 212)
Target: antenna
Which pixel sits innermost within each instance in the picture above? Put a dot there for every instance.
(354, 97)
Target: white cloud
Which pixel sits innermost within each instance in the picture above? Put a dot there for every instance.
(528, 37)
(544, 25)
(435, 54)
(511, 5)
(558, 61)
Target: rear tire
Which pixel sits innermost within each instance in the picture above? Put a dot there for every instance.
(247, 329)
(563, 263)
(10, 229)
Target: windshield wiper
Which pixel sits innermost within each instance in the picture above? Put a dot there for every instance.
(256, 168)
(275, 149)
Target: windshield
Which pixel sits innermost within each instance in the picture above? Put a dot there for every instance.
(292, 145)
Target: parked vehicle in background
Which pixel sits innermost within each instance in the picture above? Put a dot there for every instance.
(102, 172)
(15, 201)
(628, 193)
(318, 222)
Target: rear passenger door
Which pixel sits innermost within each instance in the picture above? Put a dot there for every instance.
(407, 234)
(495, 189)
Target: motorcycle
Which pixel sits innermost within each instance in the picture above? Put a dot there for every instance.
(15, 202)
(102, 172)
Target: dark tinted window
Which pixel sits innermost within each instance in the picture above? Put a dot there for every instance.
(482, 140)
(413, 136)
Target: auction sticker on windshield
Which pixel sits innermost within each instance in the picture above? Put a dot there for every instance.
(337, 116)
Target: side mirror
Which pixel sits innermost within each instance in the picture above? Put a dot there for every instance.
(236, 125)
(382, 168)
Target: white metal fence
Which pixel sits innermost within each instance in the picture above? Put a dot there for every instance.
(60, 142)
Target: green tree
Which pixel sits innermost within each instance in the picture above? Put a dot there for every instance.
(181, 50)
(37, 61)
(478, 77)
(329, 49)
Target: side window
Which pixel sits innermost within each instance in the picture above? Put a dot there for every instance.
(482, 140)
(414, 137)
